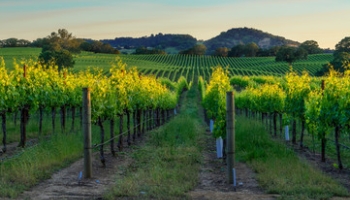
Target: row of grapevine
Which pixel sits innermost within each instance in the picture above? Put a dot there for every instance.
(214, 99)
(237, 66)
(124, 91)
(320, 108)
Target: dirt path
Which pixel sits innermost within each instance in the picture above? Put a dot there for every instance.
(67, 184)
(213, 184)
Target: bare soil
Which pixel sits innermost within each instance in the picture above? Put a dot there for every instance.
(69, 183)
(213, 182)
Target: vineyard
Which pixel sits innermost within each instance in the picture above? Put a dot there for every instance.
(191, 67)
(175, 66)
(133, 94)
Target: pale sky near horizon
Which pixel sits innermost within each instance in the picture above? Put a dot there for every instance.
(326, 21)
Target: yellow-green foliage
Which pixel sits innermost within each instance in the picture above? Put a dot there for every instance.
(264, 98)
(215, 99)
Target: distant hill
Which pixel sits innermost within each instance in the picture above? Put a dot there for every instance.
(159, 41)
(245, 35)
(181, 42)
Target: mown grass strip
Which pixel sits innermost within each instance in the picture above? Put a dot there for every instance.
(167, 166)
(38, 163)
(278, 169)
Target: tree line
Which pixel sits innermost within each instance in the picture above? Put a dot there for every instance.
(14, 42)
(158, 41)
(80, 44)
(282, 53)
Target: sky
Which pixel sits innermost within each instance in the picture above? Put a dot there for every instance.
(325, 21)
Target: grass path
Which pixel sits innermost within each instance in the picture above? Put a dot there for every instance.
(167, 166)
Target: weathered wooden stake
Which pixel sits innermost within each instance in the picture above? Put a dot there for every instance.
(230, 137)
(87, 133)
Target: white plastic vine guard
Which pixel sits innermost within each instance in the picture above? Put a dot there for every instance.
(219, 145)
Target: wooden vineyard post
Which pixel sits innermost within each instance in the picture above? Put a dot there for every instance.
(24, 117)
(323, 134)
(230, 138)
(87, 133)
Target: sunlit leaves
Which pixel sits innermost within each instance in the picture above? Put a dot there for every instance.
(34, 86)
(215, 99)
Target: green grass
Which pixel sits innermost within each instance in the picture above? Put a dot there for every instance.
(278, 169)
(167, 166)
(38, 163)
(19, 54)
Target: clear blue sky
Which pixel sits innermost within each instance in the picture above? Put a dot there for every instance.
(326, 21)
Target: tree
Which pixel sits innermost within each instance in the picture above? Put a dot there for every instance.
(273, 50)
(97, 47)
(23, 43)
(341, 55)
(343, 46)
(311, 46)
(340, 63)
(86, 46)
(65, 40)
(341, 58)
(251, 49)
(268, 52)
(11, 42)
(58, 48)
(301, 54)
(248, 50)
(107, 48)
(62, 58)
(38, 42)
(143, 50)
(237, 51)
(221, 51)
(198, 49)
(290, 54)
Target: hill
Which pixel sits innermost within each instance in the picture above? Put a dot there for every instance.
(181, 42)
(245, 35)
